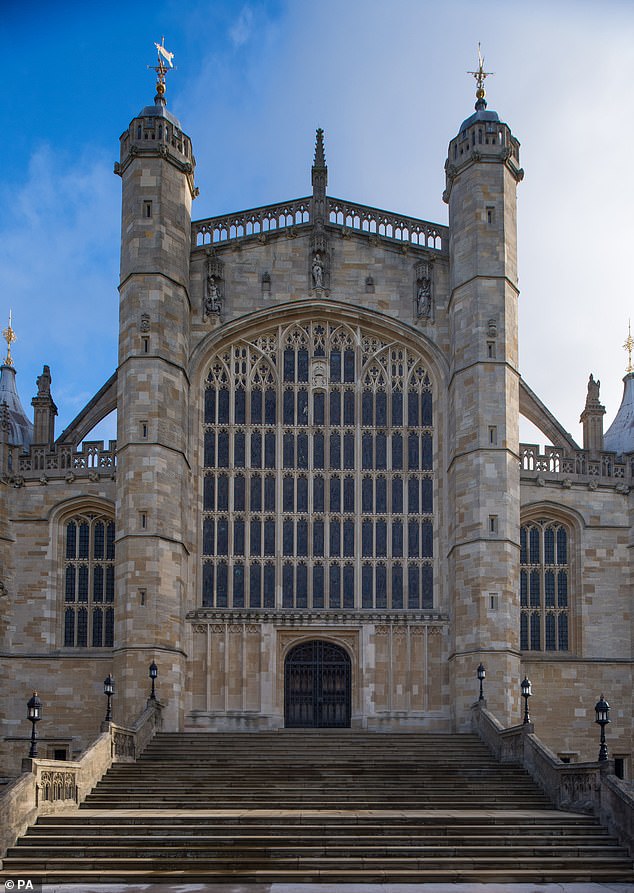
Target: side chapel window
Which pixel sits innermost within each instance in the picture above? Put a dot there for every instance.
(544, 586)
(89, 581)
(318, 473)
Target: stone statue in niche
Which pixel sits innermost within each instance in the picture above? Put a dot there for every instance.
(423, 297)
(213, 301)
(214, 293)
(318, 271)
(423, 289)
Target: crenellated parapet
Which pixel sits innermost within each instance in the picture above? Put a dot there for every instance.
(156, 132)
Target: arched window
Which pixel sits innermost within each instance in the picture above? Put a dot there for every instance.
(544, 586)
(88, 585)
(319, 475)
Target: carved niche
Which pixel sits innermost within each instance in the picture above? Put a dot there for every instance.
(423, 289)
(214, 291)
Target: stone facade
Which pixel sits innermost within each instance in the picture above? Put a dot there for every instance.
(318, 407)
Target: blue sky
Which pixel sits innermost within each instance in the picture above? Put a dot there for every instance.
(387, 82)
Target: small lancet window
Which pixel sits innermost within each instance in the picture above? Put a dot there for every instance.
(147, 209)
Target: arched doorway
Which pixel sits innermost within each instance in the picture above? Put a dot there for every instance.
(317, 686)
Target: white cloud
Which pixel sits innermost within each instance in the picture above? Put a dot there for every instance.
(241, 30)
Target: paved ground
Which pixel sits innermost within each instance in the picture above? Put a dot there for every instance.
(338, 888)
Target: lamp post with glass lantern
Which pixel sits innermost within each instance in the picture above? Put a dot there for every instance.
(526, 693)
(108, 690)
(481, 676)
(34, 715)
(153, 675)
(602, 710)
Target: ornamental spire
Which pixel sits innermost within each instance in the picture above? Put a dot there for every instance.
(320, 157)
(629, 347)
(164, 63)
(10, 337)
(480, 75)
(319, 178)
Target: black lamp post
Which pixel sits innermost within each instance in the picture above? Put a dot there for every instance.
(34, 714)
(526, 693)
(602, 709)
(108, 690)
(481, 676)
(153, 675)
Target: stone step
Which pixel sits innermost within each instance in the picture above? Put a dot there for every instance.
(301, 807)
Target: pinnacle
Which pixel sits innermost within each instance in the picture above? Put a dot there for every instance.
(320, 158)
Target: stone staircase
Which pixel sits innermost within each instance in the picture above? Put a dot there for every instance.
(317, 806)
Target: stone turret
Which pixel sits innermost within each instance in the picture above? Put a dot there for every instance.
(482, 175)
(156, 168)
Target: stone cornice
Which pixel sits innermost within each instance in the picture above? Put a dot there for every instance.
(312, 617)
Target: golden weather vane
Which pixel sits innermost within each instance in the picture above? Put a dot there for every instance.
(629, 347)
(480, 75)
(9, 336)
(164, 63)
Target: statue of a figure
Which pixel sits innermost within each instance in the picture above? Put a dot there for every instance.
(318, 272)
(593, 389)
(423, 297)
(213, 301)
(43, 382)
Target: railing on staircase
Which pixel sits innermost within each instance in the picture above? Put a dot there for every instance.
(47, 787)
(578, 787)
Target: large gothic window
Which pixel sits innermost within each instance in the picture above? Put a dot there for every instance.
(318, 483)
(89, 581)
(544, 586)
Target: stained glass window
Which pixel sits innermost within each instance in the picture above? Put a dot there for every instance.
(318, 473)
(89, 579)
(544, 582)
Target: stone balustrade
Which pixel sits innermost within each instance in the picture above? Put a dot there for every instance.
(578, 787)
(556, 462)
(344, 215)
(43, 463)
(54, 786)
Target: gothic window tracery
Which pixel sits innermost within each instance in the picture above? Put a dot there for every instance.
(318, 473)
(88, 581)
(544, 586)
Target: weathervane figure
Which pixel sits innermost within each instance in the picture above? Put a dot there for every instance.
(480, 75)
(161, 69)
